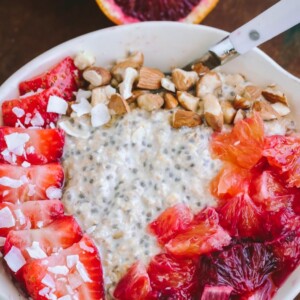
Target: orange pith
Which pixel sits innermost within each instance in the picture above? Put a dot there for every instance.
(118, 16)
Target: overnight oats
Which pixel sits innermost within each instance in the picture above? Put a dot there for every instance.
(171, 184)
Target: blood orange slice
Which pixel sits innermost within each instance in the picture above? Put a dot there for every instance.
(124, 11)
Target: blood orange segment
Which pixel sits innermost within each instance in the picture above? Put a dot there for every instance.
(123, 11)
(242, 146)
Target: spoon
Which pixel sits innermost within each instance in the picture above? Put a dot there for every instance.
(275, 20)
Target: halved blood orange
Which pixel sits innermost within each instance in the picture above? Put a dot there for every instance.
(124, 11)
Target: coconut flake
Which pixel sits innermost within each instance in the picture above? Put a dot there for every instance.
(58, 270)
(10, 182)
(71, 130)
(27, 118)
(19, 124)
(14, 259)
(53, 192)
(30, 150)
(67, 297)
(31, 189)
(37, 120)
(40, 224)
(83, 273)
(52, 125)
(35, 251)
(99, 115)
(85, 247)
(48, 281)
(72, 260)
(57, 105)
(75, 280)
(7, 219)
(26, 164)
(69, 289)
(44, 292)
(83, 94)
(20, 216)
(19, 112)
(2, 241)
(83, 107)
(16, 141)
(84, 60)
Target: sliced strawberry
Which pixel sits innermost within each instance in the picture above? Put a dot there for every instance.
(216, 292)
(39, 243)
(244, 267)
(283, 153)
(76, 271)
(63, 76)
(231, 181)
(18, 184)
(264, 292)
(241, 217)
(170, 276)
(243, 146)
(30, 111)
(200, 237)
(135, 284)
(172, 221)
(35, 146)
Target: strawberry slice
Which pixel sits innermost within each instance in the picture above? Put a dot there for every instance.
(241, 217)
(244, 267)
(265, 292)
(30, 111)
(34, 146)
(135, 284)
(75, 272)
(202, 236)
(18, 184)
(63, 76)
(216, 292)
(171, 276)
(172, 221)
(39, 243)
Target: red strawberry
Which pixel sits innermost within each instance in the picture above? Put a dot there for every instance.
(244, 267)
(135, 284)
(76, 271)
(241, 217)
(36, 146)
(32, 214)
(63, 76)
(202, 236)
(32, 183)
(216, 292)
(62, 233)
(264, 292)
(30, 111)
(172, 221)
(170, 276)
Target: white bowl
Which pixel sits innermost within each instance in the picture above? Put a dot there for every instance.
(165, 45)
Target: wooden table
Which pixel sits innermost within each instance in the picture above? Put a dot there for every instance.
(30, 27)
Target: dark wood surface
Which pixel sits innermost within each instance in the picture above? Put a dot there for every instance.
(30, 27)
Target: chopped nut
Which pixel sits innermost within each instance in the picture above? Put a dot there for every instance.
(167, 84)
(102, 94)
(281, 108)
(118, 105)
(228, 111)
(212, 112)
(170, 101)
(200, 110)
(252, 92)
(208, 84)
(84, 60)
(69, 109)
(126, 85)
(135, 61)
(150, 79)
(200, 69)
(184, 80)
(266, 111)
(97, 76)
(273, 95)
(150, 102)
(114, 83)
(242, 102)
(136, 94)
(234, 79)
(185, 118)
(240, 115)
(188, 101)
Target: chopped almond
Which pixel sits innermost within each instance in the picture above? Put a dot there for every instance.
(212, 112)
(228, 112)
(184, 80)
(200, 69)
(97, 76)
(252, 92)
(185, 118)
(188, 101)
(170, 101)
(242, 102)
(240, 115)
(150, 102)
(167, 84)
(150, 79)
(136, 94)
(274, 96)
(266, 111)
(118, 105)
(281, 108)
(208, 84)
